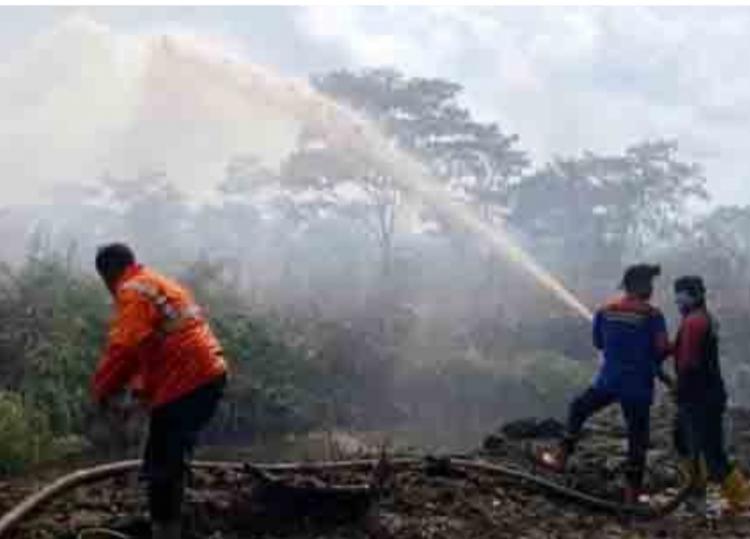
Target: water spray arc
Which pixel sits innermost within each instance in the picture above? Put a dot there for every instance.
(359, 139)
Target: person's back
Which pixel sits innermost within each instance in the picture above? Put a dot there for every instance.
(697, 364)
(181, 352)
(631, 334)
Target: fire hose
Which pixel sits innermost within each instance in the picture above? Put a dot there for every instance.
(107, 471)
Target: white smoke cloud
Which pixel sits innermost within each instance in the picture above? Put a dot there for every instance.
(82, 100)
(565, 79)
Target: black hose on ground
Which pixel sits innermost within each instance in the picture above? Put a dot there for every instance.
(101, 533)
(107, 471)
(646, 512)
(98, 473)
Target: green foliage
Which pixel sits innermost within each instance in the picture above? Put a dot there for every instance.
(288, 373)
(271, 380)
(623, 205)
(330, 256)
(554, 379)
(53, 324)
(25, 438)
(477, 161)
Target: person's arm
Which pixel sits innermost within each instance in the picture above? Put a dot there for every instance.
(663, 350)
(133, 324)
(661, 338)
(598, 331)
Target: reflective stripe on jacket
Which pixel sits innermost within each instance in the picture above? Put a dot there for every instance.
(632, 336)
(158, 341)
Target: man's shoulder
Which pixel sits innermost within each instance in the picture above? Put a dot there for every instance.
(149, 276)
(626, 305)
(698, 320)
(146, 283)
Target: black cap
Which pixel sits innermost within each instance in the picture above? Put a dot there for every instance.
(691, 284)
(637, 276)
(114, 258)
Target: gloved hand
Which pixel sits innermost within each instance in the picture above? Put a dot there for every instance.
(121, 407)
(667, 380)
(669, 383)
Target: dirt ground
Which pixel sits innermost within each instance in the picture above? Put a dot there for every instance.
(413, 504)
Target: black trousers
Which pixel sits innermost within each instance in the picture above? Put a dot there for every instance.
(699, 434)
(637, 420)
(172, 436)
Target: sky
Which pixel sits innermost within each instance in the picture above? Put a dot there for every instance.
(565, 80)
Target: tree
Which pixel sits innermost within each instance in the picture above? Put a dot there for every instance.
(223, 228)
(722, 239)
(423, 117)
(718, 250)
(596, 211)
(151, 212)
(653, 191)
(53, 321)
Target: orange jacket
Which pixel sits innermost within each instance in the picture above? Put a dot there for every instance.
(158, 341)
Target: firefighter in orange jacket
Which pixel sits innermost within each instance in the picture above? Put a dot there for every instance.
(159, 342)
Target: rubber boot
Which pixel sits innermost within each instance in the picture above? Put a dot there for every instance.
(736, 492)
(697, 473)
(631, 495)
(166, 530)
(633, 490)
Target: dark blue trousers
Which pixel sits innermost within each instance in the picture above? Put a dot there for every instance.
(173, 433)
(637, 420)
(699, 434)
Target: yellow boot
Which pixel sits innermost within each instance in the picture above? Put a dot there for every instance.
(736, 491)
(697, 473)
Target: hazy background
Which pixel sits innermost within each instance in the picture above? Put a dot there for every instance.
(564, 79)
(272, 159)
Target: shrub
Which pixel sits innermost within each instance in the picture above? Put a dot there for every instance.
(554, 379)
(24, 434)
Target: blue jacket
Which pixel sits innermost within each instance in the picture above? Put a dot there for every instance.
(632, 335)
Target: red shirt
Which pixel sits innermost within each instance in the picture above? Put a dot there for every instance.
(697, 361)
(689, 348)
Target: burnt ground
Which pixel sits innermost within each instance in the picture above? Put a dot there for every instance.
(417, 503)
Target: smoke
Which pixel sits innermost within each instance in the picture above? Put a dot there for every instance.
(62, 100)
(362, 141)
(81, 100)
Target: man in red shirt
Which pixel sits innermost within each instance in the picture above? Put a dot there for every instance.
(159, 344)
(701, 397)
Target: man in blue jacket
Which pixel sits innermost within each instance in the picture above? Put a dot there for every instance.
(632, 337)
